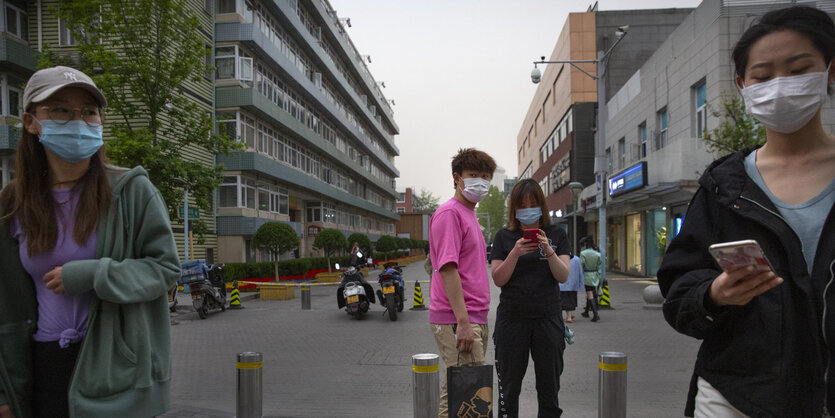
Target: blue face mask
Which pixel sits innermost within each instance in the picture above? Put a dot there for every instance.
(73, 141)
(528, 216)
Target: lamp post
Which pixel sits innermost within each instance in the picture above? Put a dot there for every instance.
(575, 187)
(183, 183)
(600, 163)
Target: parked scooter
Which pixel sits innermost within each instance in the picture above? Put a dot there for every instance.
(392, 294)
(207, 288)
(354, 293)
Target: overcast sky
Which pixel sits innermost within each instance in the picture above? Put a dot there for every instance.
(459, 72)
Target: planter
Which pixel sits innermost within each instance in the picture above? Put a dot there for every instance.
(334, 277)
(272, 292)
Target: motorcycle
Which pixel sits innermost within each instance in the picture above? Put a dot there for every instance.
(354, 293)
(392, 294)
(208, 291)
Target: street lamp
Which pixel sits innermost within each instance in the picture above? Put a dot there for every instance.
(575, 187)
(183, 183)
(600, 159)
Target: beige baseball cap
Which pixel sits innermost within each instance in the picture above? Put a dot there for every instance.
(46, 82)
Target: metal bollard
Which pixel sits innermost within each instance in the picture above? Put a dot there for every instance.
(250, 392)
(611, 401)
(426, 384)
(305, 297)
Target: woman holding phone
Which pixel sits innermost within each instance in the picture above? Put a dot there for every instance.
(528, 261)
(765, 331)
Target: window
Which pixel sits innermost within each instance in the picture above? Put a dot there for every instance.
(226, 6)
(207, 6)
(7, 172)
(228, 192)
(622, 152)
(14, 102)
(661, 140)
(207, 62)
(701, 108)
(314, 211)
(401, 210)
(65, 37)
(17, 22)
(642, 136)
(232, 63)
(609, 159)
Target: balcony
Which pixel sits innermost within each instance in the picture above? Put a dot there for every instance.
(252, 161)
(17, 56)
(252, 101)
(249, 35)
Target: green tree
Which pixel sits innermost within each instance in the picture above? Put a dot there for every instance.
(276, 238)
(141, 54)
(362, 240)
(425, 202)
(385, 244)
(493, 205)
(330, 241)
(737, 129)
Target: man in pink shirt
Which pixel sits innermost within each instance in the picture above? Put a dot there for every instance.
(460, 289)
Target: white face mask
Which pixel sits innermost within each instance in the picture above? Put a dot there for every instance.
(786, 104)
(475, 189)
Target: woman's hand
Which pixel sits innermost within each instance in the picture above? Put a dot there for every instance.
(524, 246)
(6, 412)
(544, 243)
(53, 281)
(740, 286)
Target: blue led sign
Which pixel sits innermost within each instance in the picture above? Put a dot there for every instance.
(627, 180)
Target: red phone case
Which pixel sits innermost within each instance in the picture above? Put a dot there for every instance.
(531, 234)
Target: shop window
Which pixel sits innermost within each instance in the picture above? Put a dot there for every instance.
(634, 244)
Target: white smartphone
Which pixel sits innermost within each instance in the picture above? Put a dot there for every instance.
(737, 254)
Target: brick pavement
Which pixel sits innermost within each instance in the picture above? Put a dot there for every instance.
(322, 363)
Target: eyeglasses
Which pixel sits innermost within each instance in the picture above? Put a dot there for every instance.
(63, 114)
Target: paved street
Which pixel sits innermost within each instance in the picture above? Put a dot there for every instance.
(322, 363)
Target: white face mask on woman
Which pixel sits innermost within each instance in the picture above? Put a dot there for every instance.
(786, 104)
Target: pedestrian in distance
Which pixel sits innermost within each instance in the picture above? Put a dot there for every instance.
(569, 289)
(355, 255)
(88, 255)
(460, 289)
(592, 264)
(529, 317)
(766, 332)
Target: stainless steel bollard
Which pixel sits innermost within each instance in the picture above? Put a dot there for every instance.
(611, 401)
(306, 297)
(250, 391)
(426, 384)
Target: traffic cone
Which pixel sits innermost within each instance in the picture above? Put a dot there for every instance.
(605, 302)
(235, 298)
(418, 303)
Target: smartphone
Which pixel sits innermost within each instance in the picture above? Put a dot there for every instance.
(737, 254)
(531, 235)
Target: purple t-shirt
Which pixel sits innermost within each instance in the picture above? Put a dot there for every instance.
(61, 318)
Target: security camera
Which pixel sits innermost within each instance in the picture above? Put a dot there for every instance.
(536, 75)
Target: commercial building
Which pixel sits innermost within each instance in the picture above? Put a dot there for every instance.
(555, 143)
(653, 134)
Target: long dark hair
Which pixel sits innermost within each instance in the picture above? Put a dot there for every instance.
(526, 187)
(29, 196)
(807, 21)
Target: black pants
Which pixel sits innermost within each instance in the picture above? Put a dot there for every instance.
(544, 340)
(53, 368)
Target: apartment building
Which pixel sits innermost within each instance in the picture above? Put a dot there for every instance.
(319, 133)
(654, 150)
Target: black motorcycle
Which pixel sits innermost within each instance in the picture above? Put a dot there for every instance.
(392, 295)
(354, 293)
(208, 291)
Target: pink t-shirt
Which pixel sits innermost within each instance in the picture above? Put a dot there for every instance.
(455, 237)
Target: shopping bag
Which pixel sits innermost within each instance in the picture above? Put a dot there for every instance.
(470, 391)
(569, 336)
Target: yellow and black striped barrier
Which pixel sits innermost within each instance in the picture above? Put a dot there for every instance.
(235, 297)
(605, 301)
(418, 303)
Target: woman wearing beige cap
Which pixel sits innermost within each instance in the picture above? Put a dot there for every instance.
(87, 256)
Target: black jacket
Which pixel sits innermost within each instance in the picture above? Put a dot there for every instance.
(768, 357)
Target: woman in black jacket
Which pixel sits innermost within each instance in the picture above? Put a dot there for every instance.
(765, 335)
